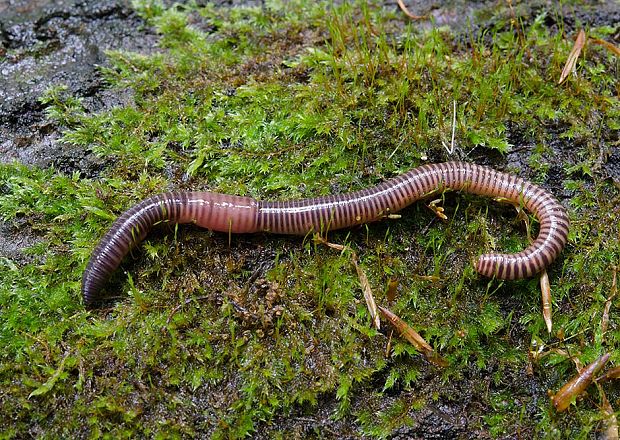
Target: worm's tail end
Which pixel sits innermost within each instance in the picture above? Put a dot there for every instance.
(92, 282)
(126, 232)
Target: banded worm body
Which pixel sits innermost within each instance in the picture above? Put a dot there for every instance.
(234, 214)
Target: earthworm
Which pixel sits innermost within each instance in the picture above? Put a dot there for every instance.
(235, 214)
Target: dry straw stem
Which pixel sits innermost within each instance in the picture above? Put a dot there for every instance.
(610, 422)
(606, 44)
(403, 8)
(368, 296)
(578, 384)
(614, 291)
(413, 337)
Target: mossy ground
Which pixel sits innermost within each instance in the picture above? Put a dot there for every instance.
(269, 335)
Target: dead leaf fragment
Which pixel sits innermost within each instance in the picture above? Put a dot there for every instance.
(413, 337)
(571, 62)
(368, 296)
(390, 293)
(577, 385)
(545, 289)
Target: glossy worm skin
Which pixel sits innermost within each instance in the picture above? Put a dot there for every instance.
(233, 214)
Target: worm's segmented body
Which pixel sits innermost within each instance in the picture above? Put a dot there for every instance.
(227, 213)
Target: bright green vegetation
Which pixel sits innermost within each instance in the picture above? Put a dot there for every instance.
(296, 100)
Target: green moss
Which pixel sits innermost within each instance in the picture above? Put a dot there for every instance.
(297, 100)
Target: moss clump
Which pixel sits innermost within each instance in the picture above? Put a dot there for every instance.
(268, 335)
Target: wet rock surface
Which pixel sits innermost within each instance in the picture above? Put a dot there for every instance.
(50, 43)
(46, 43)
(13, 240)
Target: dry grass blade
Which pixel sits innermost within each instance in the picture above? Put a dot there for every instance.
(403, 8)
(614, 291)
(368, 296)
(573, 56)
(613, 49)
(413, 337)
(450, 149)
(338, 247)
(545, 290)
(404, 330)
(577, 385)
(388, 346)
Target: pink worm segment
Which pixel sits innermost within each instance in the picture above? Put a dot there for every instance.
(234, 214)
